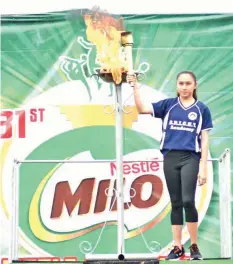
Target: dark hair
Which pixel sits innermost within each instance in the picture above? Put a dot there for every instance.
(194, 78)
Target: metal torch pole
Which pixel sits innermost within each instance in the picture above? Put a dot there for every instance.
(119, 171)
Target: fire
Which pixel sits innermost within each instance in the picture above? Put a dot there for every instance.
(104, 31)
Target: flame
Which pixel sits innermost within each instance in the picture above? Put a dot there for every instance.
(104, 32)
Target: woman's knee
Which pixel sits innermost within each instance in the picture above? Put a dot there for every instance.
(188, 204)
(177, 204)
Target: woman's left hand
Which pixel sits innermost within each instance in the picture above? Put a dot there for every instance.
(202, 175)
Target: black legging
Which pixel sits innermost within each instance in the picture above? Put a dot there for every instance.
(181, 170)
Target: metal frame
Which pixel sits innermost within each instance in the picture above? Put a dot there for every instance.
(224, 208)
(224, 191)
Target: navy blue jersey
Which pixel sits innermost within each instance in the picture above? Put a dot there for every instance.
(182, 126)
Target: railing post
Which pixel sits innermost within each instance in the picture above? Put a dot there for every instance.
(224, 175)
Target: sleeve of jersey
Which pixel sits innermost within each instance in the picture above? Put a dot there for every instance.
(159, 108)
(207, 120)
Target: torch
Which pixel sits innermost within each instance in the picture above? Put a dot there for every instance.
(114, 72)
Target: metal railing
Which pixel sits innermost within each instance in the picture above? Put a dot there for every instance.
(224, 176)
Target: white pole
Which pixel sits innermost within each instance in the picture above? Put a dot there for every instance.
(12, 217)
(17, 167)
(92, 161)
(119, 171)
(225, 204)
(14, 222)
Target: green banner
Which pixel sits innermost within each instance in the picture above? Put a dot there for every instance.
(52, 107)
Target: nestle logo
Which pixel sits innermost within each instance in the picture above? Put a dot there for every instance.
(136, 167)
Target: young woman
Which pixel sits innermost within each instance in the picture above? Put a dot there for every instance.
(184, 145)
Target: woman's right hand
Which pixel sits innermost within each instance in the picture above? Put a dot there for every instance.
(131, 79)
